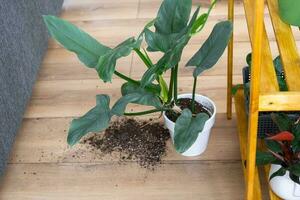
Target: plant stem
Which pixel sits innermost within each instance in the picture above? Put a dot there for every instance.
(193, 97)
(175, 82)
(126, 78)
(144, 112)
(170, 94)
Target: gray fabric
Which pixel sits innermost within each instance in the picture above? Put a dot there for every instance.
(23, 42)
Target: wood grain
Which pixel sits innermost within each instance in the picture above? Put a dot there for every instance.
(210, 180)
(38, 137)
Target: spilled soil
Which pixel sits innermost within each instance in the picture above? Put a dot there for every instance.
(187, 103)
(140, 141)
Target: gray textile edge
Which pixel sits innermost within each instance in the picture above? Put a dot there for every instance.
(23, 43)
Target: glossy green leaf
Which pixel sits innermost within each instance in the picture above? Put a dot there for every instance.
(273, 145)
(279, 172)
(173, 55)
(295, 169)
(282, 121)
(279, 69)
(158, 42)
(263, 158)
(128, 88)
(249, 59)
(173, 16)
(164, 89)
(141, 97)
(187, 129)
(199, 23)
(97, 119)
(74, 39)
(212, 49)
(107, 63)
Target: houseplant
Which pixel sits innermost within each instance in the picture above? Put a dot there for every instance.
(173, 30)
(289, 11)
(283, 153)
(265, 123)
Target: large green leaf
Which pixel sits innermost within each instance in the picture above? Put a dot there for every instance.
(187, 129)
(172, 56)
(173, 16)
(295, 169)
(107, 63)
(212, 49)
(279, 69)
(282, 121)
(72, 38)
(141, 97)
(97, 119)
(263, 158)
(128, 88)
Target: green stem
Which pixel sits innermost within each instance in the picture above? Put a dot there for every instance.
(144, 112)
(193, 97)
(175, 82)
(170, 94)
(126, 78)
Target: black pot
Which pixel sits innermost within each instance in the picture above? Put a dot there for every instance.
(265, 122)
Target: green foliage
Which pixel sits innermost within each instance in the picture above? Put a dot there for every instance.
(96, 120)
(74, 39)
(107, 62)
(279, 172)
(187, 129)
(283, 148)
(278, 69)
(173, 28)
(212, 49)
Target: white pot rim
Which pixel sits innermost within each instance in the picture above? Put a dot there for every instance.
(185, 95)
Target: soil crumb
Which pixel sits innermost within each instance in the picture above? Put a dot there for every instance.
(140, 141)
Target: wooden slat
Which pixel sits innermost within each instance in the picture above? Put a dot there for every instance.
(287, 47)
(268, 80)
(70, 98)
(44, 141)
(208, 180)
(242, 124)
(280, 101)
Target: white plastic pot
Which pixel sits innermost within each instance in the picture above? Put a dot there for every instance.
(283, 186)
(201, 142)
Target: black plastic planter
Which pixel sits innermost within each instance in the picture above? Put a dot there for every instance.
(265, 123)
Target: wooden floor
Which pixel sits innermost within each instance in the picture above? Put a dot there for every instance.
(43, 167)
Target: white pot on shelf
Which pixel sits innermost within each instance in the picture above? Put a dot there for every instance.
(283, 186)
(201, 142)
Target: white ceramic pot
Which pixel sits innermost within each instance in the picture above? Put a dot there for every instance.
(283, 186)
(202, 141)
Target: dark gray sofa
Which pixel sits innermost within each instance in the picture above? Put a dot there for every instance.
(23, 42)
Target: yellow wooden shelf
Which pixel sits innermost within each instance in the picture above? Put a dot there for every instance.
(268, 80)
(242, 124)
(264, 88)
(287, 47)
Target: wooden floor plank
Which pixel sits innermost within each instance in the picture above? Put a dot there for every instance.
(194, 180)
(94, 10)
(70, 98)
(44, 141)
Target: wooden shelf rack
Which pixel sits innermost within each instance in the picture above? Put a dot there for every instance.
(265, 94)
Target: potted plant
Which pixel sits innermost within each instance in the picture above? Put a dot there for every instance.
(283, 153)
(188, 117)
(289, 11)
(265, 122)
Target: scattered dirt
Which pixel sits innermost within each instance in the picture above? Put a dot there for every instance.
(187, 103)
(141, 141)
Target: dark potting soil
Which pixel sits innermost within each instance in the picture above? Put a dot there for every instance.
(187, 103)
(142, 141)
